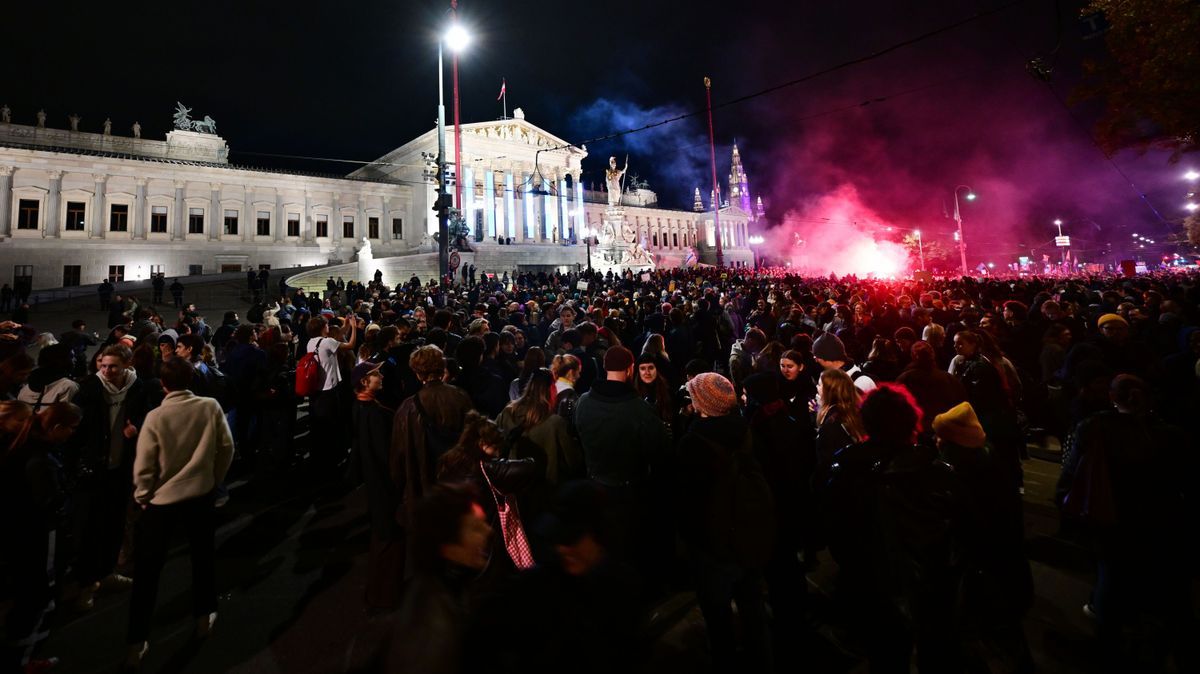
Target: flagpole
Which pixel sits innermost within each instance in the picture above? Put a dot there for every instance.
(712, 150)
(504, 89)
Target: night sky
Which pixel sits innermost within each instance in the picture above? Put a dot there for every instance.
(353, 80)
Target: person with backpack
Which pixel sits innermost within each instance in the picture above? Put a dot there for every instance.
(830, 353)
(426, 426)
(534, 431)
(726, 517)
(319, 377)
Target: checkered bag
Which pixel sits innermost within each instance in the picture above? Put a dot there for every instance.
(511, 528)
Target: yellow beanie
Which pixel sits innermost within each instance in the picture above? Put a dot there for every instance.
(960, 426)
(1109, 318)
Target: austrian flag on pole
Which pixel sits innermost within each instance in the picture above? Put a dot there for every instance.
(503, 84)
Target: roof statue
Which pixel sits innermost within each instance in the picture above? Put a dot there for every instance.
(184, 121)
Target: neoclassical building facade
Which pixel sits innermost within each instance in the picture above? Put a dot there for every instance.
(79, 207)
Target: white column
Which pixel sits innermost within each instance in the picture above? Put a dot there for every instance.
(177, 226)
(385, 222)
(336, 220)
(360, 220)
(50, 231)
(306, 219)
(139, 209)
(489, 205)
(215, 216)
(280, 223)
(249, 217)
(98, 206)
(6, 173)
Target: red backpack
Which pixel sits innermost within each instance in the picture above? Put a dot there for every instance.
(310, 376)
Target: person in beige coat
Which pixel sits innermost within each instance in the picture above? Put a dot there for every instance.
(183, 452)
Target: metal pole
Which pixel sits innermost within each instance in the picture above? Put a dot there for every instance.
(921, 248)
(458, 202)
(712, 152)
(443, 211)
(588, 233)
(962, 243)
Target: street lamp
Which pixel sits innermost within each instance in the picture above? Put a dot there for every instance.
(920, 247)
(455, 38)
(962, 244)
(588, 233)
(1191, 175)
(1059, 223)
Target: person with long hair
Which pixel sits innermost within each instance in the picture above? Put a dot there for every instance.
(535, 359)
(796, 387)
(656, 346)
(935, 390)
(838, 420)
(652, 386)
(478, 459)
(566, 369)
(531, 416)
(29, 496)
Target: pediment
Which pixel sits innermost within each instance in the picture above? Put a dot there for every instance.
(517, 131)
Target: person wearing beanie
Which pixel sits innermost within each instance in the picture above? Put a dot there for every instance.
(724, 575)
(960, 426)
(741, 356)
(830, 353)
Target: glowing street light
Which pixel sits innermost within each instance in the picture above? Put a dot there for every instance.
(754, 241)
(1191, 175)
(1192, 206)
(920, 247)
(456, 38)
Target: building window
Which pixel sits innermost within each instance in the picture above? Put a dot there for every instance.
(675, 239)
(373, 228)
(397, 228)
(195, 269)
(23, 275)
(656, 239)
(263, 223)
(158, 219)
(27, 214)
(231, 222)
(264, 266)
(118, 218)
(348, 227)
(70, 275)
(322, 227)
(76, 216)
(195, 221)
(293, 224)
(156, 269)
(116, 273)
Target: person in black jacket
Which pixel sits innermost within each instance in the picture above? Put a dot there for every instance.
(371, 446)
(706, 500)
(114, 404)
(896, 517)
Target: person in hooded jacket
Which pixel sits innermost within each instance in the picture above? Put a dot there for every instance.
(51, 382)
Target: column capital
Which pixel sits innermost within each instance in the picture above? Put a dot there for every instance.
(6, 171)
(100, 177)
(180, 184)
(214, 187)
(55, 175)
(141, 182)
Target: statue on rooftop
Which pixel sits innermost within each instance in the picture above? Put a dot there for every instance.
(612, 177)
(183, 120)
(41, 119)
(108, 126)
(137, 130)
(209, 125)
(6, 114)
(74, 119)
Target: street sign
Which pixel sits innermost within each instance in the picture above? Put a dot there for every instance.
(1062, 241)
(454, 261)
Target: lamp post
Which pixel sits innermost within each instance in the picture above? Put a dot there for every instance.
(457, 39)
(1059, 223)
(962, 244)
(921, 247)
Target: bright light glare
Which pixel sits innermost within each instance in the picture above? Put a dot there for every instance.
(1192, 206)
(917, 233)
(755, 240)
(1057, 221)
(970, 196)
(1191, 175)
(457, 38)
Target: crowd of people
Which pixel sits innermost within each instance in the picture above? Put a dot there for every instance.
(545, 461)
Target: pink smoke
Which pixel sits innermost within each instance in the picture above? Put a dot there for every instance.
(838, 233)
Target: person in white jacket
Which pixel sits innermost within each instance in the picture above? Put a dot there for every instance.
(183, 452)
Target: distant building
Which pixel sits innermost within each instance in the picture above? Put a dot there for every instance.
(79, 207)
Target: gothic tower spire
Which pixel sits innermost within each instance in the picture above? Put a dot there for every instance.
(739, 185)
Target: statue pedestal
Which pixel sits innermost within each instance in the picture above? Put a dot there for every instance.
(616, 253)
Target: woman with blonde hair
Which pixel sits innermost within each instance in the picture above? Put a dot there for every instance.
(566, 370)
(838, 420)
